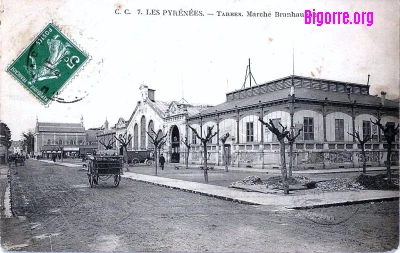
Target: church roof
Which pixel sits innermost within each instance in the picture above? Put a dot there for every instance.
(60, 127)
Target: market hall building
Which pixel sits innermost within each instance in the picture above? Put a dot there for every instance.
(326, 110)
(66, 140)
(162, 117)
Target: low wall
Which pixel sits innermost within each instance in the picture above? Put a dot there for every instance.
(302, 159)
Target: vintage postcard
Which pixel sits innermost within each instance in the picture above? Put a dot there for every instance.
(199, 126)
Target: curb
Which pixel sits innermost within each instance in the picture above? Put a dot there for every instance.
(194, 191)
(347, 203)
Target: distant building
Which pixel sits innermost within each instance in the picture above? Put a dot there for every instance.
(17, 147)
(106, 138)
(63, 139)
(325, 110)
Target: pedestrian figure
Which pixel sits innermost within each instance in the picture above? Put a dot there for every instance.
(162, 161)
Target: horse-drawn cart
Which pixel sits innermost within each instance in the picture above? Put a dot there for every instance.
(16, 159)
(103, 168)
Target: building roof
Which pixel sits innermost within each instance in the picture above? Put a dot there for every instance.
(162, 107)
(60, 127)
(307, 94)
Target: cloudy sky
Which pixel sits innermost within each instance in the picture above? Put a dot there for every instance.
(199, 58)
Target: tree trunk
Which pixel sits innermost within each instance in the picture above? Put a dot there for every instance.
(388, 161)
(291, 159)
(187, 157)
(364, 158)
(224, 155)
(283, 167)
(125, 154)
(155, 158)
(205, 163)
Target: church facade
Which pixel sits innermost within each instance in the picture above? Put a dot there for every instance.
(327, 111)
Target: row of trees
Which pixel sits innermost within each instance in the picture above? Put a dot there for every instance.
(282, 133)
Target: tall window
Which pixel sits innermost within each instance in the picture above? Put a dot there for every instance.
(48, 142)
(194, 138)
(374, 132)
(143, 132)
(366, 128)
(130, 141)
(136, 137)
(308, 128)
(249, 132)
(339, 129)
(150, 129)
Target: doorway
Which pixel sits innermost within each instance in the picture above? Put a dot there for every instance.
(226, 159)
(175, 145)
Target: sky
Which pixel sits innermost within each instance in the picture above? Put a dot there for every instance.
(198, 58)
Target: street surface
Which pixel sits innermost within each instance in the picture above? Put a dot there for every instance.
(56, 210)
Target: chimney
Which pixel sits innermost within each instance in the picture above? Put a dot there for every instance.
(383, 97)
(151, 94)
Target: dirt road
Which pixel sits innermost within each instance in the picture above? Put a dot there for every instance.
(56, 210)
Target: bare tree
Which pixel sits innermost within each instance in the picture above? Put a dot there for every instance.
(28, 141)
(205, 140)
(158, 142)
(124, 140)
(224, 155)
(362, 142)
(187, 144)
(389, 131)
(109, 145)
(280, 135)
(291, 139)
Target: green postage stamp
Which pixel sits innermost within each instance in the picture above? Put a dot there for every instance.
(48, 63)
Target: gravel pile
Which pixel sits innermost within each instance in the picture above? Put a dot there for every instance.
(339, 185)
(276, 182)
(361, 182)
(378, 182)
(250, 180)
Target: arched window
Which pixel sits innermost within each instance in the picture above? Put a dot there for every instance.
(130, 141)
(136, 137)
(150, 129)
(143, 132)
(160, 134)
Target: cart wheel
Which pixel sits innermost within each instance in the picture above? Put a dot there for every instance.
(117, 179)
(135, 162)
(149, 162)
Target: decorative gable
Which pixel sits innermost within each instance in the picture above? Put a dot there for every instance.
(176, 108)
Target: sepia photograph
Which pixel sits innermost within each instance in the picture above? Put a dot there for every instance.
(199, 126)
